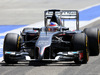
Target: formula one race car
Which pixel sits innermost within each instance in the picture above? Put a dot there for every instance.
(52, 42)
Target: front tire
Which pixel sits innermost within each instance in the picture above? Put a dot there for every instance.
(11, 43)
(80, 43)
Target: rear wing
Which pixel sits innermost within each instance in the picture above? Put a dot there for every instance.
(63, 14)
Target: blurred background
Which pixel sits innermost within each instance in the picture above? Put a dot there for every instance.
(24, 12)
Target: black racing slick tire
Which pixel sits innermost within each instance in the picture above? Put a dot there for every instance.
(80, 43)
(93, 38)
(11, 43)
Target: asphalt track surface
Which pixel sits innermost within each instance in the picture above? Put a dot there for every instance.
(28, 12)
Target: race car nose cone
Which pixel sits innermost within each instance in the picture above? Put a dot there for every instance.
(41, 52)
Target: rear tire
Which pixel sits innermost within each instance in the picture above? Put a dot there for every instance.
(80, 44)
(93, 38)
(11, 43)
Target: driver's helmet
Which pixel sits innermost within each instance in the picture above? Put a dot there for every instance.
(53, 24)
(52, 27)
